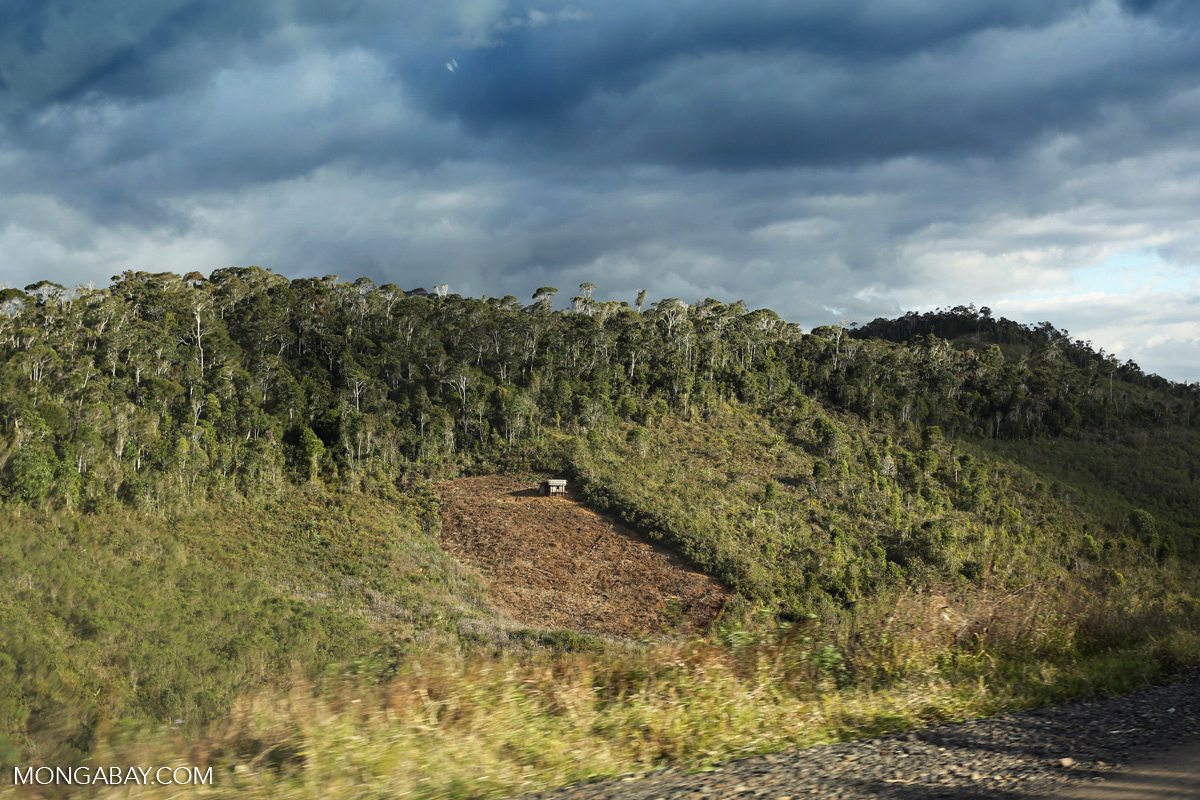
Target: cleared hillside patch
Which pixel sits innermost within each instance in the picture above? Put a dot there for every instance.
(553, 563)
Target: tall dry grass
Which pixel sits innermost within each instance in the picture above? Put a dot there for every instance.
(494, 726)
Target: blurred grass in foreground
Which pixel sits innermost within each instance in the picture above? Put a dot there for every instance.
(494, 725)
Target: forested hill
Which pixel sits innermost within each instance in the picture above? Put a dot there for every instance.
(159, 385)
(244, 466)
(969, 327)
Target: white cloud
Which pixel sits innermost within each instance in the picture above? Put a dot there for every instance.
(47, 240)
(1159, 330)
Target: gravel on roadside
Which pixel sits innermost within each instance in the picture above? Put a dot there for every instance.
(1017, 755)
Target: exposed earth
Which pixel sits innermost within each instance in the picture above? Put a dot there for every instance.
(553, 563)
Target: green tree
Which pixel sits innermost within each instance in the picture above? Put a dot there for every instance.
(927, 462)
(829, 436)
(32, 470)
(1144, 528)
(311, 451)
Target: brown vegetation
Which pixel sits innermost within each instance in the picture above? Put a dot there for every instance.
(552, 563)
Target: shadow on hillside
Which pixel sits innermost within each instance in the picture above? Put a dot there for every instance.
(796, 481)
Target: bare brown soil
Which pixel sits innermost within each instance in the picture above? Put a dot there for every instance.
(553, 563)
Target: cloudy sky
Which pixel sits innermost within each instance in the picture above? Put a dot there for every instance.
(829, 158)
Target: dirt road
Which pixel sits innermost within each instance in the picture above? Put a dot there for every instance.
(1142, 746)
(1169, 775)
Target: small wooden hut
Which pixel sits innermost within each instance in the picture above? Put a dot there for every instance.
(554, 486)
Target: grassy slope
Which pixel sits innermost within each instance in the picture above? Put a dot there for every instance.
(807, 528)
(1154, 470)
(129, 619)
(939, 592)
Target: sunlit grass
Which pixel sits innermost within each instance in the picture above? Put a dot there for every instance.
(915, 599)
(497, 725)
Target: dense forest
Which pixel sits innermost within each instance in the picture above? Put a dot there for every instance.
(822, 475)
(159, 386)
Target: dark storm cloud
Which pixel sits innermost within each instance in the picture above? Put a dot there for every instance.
(697, 85)
(62, 51)
(752, 86)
